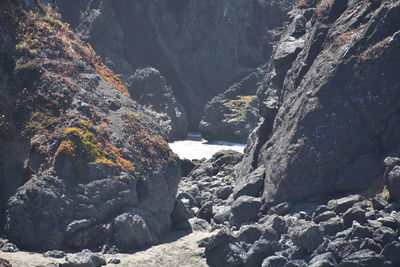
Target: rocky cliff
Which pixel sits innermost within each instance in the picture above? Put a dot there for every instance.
(232, 115)
(328, 128)
(329, 101)
(201, 47)
(82, 163)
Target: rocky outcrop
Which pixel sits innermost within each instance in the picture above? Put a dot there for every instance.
(148, 87)
(328, 105)
(328, 101)
(201, 47)
(342, 232)
(232, 115)
(85, 164)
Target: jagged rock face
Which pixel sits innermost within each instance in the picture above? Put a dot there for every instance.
(201, 47)
(333, 87)
(148, 87)
(85, 164)
(232, 115)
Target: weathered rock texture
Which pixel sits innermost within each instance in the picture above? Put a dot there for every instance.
(201, 47)
(82, 164)
(329, 101)
(148, 87)
(232, 115)
(329, 127)
(341, 232)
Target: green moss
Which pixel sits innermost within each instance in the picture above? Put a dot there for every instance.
(55, 24)
(42, 121)
(86, 125)
(86, 141)
(23, 49)
(131, 116)
(82, 146)
(239, 106)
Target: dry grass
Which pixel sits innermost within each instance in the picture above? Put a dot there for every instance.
(64, 52)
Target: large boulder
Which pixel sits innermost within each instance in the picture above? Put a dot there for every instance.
(84, 259)
(232, 115)
(149, 88)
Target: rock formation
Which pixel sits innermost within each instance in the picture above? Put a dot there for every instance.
(201, 47)
(232, 115)
(328, 128)
(82, 163)
(329, 101)
(148, 87)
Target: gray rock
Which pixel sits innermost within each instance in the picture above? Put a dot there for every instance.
(325, 216)
(250, 185)
(198, 224)
(370, 244)
(249, 234)
(132, 231)
(206, 211)
(274, 261)
(308, 236)
(379, 202)
(79, 225)
(222, 215)
(360, 231)
(232, 115)
(110, 250)
(389, 221)
(391, 252)
(365, 258)
(280, 209)
(9, 247)
(296, 263)
(4, 263)
(172, 51)
(393, 182)
(343, 204)
(260, 250)
(180, 212)
(223, 251)
(270, 234)
(275, 222)
(55, 254)
(321, 209)
(245, 209)
(341, 247)
(324, 260)
(354, 214)
(84, 259)
(224, 192)
(149, 88)
(384, 235)
(202, 243)
(114, 261)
